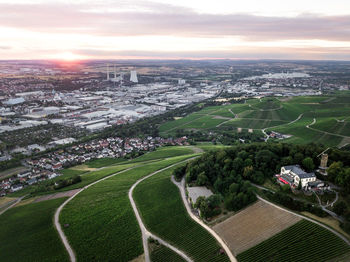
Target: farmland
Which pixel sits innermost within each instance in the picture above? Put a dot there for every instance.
(164, 214)
(101, 221)
(27, 233)
(253, 225)
(310, 242)
(161, 253)
(291, 116)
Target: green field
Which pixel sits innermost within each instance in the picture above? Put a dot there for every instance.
(304, 242)
(27, 233)
(162, 253)
(102, 223)
(332, 113)
(164, 214)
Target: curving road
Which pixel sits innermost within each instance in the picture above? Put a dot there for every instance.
(181, 186)
(145, 233)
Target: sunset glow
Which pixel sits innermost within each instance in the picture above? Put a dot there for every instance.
(174, 29)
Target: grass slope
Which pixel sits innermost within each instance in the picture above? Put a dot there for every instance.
(164, 214)
(103, 226)
(27, 233)
(304, 241)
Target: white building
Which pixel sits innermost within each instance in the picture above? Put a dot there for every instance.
(294, 175)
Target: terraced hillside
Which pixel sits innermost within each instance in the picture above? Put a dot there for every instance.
(292, 116)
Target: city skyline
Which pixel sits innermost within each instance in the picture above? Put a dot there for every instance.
(174, 30)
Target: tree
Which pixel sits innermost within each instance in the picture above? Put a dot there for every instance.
(202, 179)
(340, 208)
(334, 170)
(308, 164)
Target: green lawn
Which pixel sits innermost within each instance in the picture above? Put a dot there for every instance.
(27, 233)
(304, 242)
(164, 214)
(102, 223)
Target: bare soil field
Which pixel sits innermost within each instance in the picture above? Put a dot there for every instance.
(253, 225)
(57, 195)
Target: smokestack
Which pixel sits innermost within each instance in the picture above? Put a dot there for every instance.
(115, 73)
(133, 77)
(107, 72)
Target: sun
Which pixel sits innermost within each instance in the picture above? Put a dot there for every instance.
(68, 57)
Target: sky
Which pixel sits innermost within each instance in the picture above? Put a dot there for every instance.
(175, 29)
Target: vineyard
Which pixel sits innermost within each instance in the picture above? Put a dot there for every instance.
(162, 253)
(164, 214)
(253, 225)
(331, 113)
(27, 233)
(102, 224)
(304, 242)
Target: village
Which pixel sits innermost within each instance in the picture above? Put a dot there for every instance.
(49, 165)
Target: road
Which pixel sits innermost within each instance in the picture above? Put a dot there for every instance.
(145, 233)
(267, 136)
(306, 218)
(181, 186)
(12, 205)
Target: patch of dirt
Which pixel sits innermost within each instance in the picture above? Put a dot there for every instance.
(139, 259)
(56, 195)
(222, 117)
(83, 168)
(253, 225)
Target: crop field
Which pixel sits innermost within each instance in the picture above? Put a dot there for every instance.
(269, 112)
(335, 126)
(164, 214)
(162, 253)
(102, 224)
(253, 225)
(27, 233)
(164, 152)
(304, 242)
(256, 124)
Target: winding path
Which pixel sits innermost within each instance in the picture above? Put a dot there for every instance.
(181, 186)
(145, 233)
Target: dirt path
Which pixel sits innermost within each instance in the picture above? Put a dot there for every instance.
(12, 205)
(145, 233)
(309, 219)
(196, 150)
(181, 186)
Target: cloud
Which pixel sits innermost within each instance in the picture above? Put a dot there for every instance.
(5, 47)
(146, 18)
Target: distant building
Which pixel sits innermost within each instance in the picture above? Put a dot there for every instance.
(14, 101)
(133, 77)
(181, 82)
